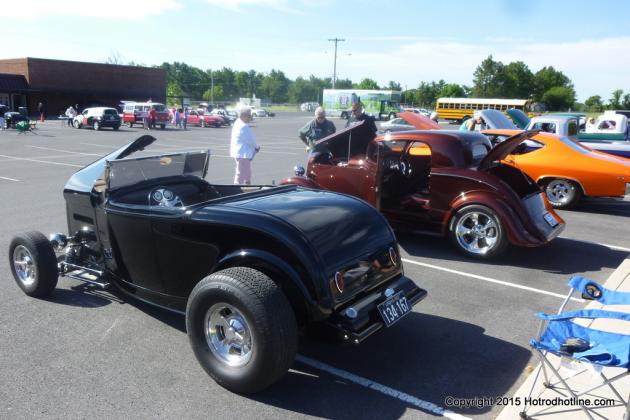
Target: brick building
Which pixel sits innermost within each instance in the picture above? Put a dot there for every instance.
(58, 84)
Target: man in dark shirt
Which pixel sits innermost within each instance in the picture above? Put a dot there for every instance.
(359, 115)
(316, 129)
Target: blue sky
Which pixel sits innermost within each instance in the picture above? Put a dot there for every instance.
(406, 41)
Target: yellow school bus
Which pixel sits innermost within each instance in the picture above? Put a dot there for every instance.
(460, 109)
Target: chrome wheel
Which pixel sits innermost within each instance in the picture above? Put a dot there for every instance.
(560, 192)
(24, 266)
(477, 233)
(228, 334)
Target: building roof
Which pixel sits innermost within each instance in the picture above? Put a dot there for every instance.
(12, 83)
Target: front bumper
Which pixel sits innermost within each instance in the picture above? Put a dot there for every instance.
(366, 319)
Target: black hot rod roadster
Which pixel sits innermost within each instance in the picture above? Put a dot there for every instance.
(248, 265)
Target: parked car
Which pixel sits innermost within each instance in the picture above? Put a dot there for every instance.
(566, 169)
(445, 183)
(258, 112)
(11, 118)
(615, 141)
(228, 116)
(401, 124)
(308, 106)
(204, 120)
(97, 118)
(269, 112)
(249, 266)
(135, 112)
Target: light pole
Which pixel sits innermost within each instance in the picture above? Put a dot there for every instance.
(211, 88)
(335, 40)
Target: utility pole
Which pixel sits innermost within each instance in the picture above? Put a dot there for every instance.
(335, 40)
(211, 88)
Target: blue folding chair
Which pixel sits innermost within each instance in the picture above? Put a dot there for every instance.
(561, 336)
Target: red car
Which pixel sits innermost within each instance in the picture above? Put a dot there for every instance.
(444, 183)
(204, 120)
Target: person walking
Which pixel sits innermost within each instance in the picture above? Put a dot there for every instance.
(71, 113)
(152, 117)
(40, 109)
(178, 118)
(243, 147)
(316, 129)
(359, 115)
(185, 118)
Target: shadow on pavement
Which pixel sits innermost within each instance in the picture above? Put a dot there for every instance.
(560, 256)
(425, 356)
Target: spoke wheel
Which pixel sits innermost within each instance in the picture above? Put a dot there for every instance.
(477, 232)
(562, 193)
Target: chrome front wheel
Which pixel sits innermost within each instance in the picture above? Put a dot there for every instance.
(228, 334)
(24, 266)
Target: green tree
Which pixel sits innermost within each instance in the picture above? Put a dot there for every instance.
(367, 84)
(215, 93)
(547, 78)
(489, 79)
(518, 81)
(594, 103)
(615, 100)
(625, 104)
(452, 90)
(275, 86)
(559, 98)
(343, 84)
(393, 85)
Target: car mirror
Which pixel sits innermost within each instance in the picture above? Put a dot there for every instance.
(299, 170)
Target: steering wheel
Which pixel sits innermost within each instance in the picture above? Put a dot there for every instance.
(405, 167)
(163, 197)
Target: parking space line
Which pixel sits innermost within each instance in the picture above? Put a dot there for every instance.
(383, 389)
(491, 280)
(42, 161)
(9, 179)
(61, 150)
(615, 247)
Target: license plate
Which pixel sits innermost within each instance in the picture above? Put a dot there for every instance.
(550, 219)
(394, 308)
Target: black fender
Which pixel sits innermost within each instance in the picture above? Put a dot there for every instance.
(302, 300)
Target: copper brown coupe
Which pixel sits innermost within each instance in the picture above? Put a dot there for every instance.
(443, 183)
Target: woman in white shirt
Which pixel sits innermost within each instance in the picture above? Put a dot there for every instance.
(243, 147)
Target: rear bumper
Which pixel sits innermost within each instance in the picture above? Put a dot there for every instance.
(368, 320)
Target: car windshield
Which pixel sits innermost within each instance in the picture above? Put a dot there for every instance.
(159, 107)
(125, 172)
(110, 112)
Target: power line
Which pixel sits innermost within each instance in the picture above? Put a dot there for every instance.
(335, 40)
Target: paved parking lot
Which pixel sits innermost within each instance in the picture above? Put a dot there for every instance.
(88, 353)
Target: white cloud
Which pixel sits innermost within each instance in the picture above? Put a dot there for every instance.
(118, 9)
(238, 5)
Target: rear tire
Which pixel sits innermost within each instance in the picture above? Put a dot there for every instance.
(116, 127)
(477, 232)
(33, 264)
(76, 124)
(242, 329)
(162, 126)
(562, 193)
(96, 126)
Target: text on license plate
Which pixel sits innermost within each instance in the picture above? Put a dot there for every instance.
(394, 308)
(550, 219)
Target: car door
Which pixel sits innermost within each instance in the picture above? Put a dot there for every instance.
(353, 167)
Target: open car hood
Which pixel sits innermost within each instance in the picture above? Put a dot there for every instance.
(501, 150)
(83, 180)
(419, 121)
(519, 117)
(497, 120)
(348, 142)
